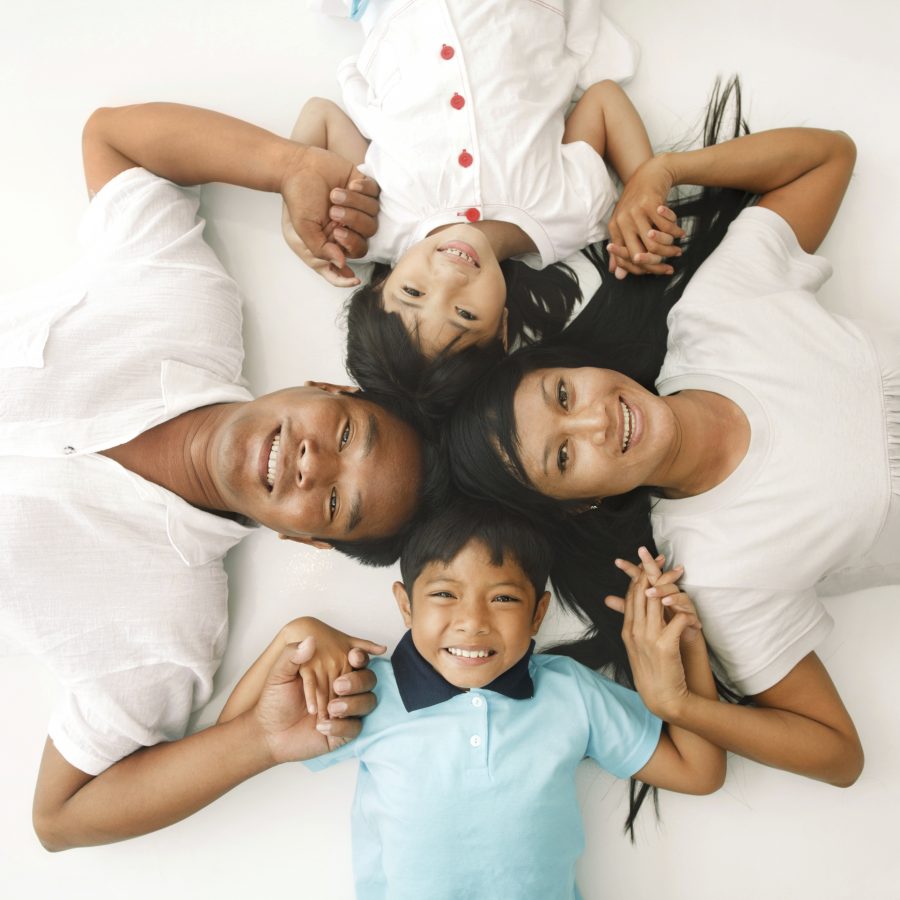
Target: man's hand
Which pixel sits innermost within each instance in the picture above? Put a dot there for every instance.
(330, 211)
(282, 713)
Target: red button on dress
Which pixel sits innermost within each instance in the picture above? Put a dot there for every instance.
(447, 52)
(457, 101)
(472, 214)
(465, 159)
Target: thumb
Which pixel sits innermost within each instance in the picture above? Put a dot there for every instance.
(671, 634)
(303, 652)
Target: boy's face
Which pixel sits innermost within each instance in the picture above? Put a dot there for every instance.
(472, 620)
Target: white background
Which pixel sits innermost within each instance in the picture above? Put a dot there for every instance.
(766, 834)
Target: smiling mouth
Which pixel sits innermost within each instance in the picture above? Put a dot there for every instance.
(272, 460)
(470, 657)
(460, 253)
(627, 424)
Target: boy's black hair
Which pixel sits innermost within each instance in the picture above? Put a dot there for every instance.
(441, 536)
(382, 356)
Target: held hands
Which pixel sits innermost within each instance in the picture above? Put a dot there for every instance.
(642, 229)
(660, 624)
(329, 212)
(282, 712)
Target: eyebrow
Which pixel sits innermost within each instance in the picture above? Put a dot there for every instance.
(450, 320)
(371, 436)
(549, 402)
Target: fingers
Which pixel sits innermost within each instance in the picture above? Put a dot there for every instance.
(682, 625)
(360, 222)
(359, 681)
(649, 564)
(339, 730)
(357, 201)
(615, 603)
(629, 568)
(666, 221)
(352, 705)
(368, 646)
(362, 184)
(308, 677)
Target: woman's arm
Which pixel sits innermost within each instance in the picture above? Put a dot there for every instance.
(159, 785)
(801, 173)
(668, 658)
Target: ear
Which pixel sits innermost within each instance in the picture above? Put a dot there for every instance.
(307, 540)
(332, 388)
(503, 334)
(403, 603)
(540, 611)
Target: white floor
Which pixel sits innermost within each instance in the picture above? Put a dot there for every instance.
(766, 834)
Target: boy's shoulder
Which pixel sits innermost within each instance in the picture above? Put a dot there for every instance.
(556, 669)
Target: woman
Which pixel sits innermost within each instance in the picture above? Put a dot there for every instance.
(768, 446)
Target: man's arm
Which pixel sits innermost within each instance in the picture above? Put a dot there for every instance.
(190, 146)
(157, 786)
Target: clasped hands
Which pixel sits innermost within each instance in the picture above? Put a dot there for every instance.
(330, 211)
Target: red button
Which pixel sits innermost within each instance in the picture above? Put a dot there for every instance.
(457, 101)
(447, 52)
(465, 159)
(472, 214)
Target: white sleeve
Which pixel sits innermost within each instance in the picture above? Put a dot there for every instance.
(603, 49)
(758, 256)
(758, 636)
(104, 719)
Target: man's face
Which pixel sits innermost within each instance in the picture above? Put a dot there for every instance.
(315, 463)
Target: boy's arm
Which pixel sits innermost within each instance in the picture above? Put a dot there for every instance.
(800, 724)
(188, 145)
(667, 660)
(324, 124)
(333, 652)
(157, 786)
(606, 119)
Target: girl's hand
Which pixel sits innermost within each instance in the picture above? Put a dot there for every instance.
(652, 637)
(642, 229)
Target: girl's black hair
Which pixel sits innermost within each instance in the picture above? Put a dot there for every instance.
(383, 357)
(622, 328)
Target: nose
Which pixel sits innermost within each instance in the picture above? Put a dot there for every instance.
(592, 423)
(313, 466)
(472, 618)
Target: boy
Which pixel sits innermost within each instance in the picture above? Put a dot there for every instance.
(466, 785)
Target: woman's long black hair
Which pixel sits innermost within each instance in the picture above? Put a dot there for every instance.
(622, 328)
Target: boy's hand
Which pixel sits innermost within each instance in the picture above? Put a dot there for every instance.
(642, 229)
(652, 632)
(330, 211)
(330, 661)
(291, 732)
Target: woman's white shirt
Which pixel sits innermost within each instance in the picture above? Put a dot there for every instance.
(813, 496)
(116, 583)
(464, 105)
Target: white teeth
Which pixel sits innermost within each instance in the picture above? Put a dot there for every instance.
(455, 251)
(273, 460)
(628, 419)
(468, 654)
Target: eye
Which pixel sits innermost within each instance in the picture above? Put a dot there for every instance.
(562, 394)
(345, 436)
(506, 598)
(411, 291)
(562, 457)
(441, 595)
(332, 504)
(465, 314)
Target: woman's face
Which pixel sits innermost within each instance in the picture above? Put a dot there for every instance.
(590, 433)
(449, 287)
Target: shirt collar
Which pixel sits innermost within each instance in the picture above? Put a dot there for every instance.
(420, 685)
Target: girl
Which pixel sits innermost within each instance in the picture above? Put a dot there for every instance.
(465, 131)
(772, 446)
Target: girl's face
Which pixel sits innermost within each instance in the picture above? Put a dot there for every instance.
(591, 433)
(449, 287)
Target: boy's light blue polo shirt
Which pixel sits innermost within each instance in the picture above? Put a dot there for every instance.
(471, 794)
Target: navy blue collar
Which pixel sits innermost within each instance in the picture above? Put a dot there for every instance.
(420, 685)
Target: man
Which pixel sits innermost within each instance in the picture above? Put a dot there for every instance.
(132, 458)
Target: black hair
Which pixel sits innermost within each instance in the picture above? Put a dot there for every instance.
(384, 357)
(443, 535)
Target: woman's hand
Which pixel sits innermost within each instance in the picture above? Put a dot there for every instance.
(330, 210)
(657, 618)
(642, 229)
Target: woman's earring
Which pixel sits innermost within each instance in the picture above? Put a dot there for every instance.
(595, 505)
